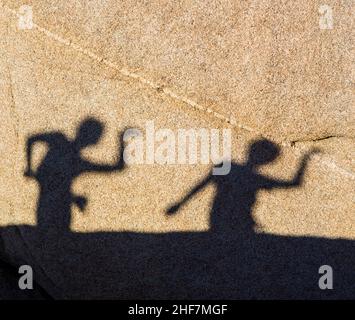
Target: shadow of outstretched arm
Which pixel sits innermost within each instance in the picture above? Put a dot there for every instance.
(298, 178)
(174, 208)
(87, 166)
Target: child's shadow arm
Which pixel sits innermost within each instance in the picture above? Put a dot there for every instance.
(48, 138)
(298, 178)
(87, 166)
(174, 208)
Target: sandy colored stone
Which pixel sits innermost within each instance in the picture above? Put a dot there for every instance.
(266, 64)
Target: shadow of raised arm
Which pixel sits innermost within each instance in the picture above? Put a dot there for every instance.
(120, 165)
(48, 138)
(298, 178)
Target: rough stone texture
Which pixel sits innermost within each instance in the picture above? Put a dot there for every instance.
(265, 63)
(260, 68)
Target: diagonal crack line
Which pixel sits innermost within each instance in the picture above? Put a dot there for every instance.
(326, 137)
(170, 93)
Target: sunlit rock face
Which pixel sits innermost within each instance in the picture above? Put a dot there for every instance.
(270, 72)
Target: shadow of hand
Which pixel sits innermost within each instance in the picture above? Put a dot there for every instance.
(173, 209)
(29, 173)
(122, 145)
(81, 202)
(312, 152)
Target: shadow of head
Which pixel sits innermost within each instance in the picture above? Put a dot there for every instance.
(262, 152)
(89, 132)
